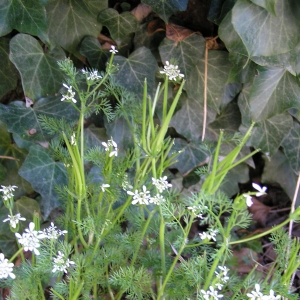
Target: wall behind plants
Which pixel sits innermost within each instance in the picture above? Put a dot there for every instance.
(249, 73)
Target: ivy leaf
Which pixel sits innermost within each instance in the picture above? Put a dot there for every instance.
(239, 174)
(24, 121)
(166, 8)
(12, 166)
(291, 146)
(8, 72)
(270, 87)
(278, 169)
(189, 54)
(119, 25)
(132, 72)
(45, 175)
(192, 155)
(39, 71)
(26, 207)
(269, 5)
(24, 16)
(269, 134)
(70, 21)
(94, 136)
(269, 40)
(188, 120)
(92, 50)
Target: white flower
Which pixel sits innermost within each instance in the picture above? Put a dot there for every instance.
(206, 295)
(70, 94)
(157, 199)
(214, 293)
(94, 76)
(51, 233)
(261, 191)
(6, 268)
(219, 286)
(140, 197)
(8, 191)
(14, 220)
(30, 239)
(60, 263)
(108, 147)
(171, 71)
(73, 140)
(249, 201)
(210, 235)
(211, 293)
(113, 49)
(161, 183)
(255, 294)
(104, 186)
(271, 296)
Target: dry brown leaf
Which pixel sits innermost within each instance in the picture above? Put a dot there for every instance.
(178, 33)
(105, 41)
(246, 260)
(259, 211)
(141, 11)
(211, 43)
(155, 26)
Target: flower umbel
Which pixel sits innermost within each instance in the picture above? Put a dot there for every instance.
(109, 146)
(30, 239)
(113, 49)
(172, 71)
(6, 268)
(70, 94)
(8, 191)
(14, 220)
(261, 190)
(140, 197)
(60, 263)
(161, 183)
(255, 294)
(52, 233)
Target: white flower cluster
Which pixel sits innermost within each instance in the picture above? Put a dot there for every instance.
(113, 49)
(172, 71)
(112, 146)
(257, 295)
(144, 196)
(195, 209)
(222, 278)
(91, 75)
(52, 233)
(8, 191)
(30, 239)
(210, 235)
(70, 94)
(14, 220)
(6, 268)
(60, 263)
(261, 191)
